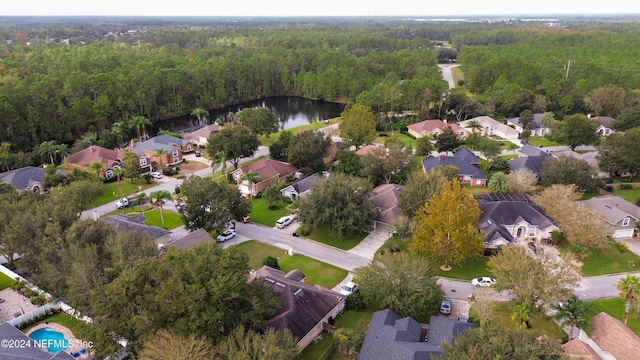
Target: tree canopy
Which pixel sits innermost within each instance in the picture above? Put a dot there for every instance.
(568, 170)
(575, 130)
(236, 142)
(358, 126)
(261, 120)
(308, 149)
(447, 227)
(619, 153)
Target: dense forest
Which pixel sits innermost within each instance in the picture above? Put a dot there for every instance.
(57, 91)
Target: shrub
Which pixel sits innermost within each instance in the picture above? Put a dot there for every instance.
(271, 261)
(609, 188)
(626, 186)
(622, 247)
(355, 301)
(303, 231)
(557, 237)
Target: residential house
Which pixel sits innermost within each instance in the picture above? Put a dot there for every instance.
(10, 335)
(531, 158)
(111, 159)
(610, 339)
(433, 128)
(304, 309)
(390, 337)
(590, 157)
(27, 178)
(507, 218)
(463, 159)
(200, 137)
(370, 149)
(300, 187)
(270, 172)
(385, 198)
(621, 214)
(536, 127)
(192, 239)
(165, 150)
(137, 226)
(605, 127)
(492, 127)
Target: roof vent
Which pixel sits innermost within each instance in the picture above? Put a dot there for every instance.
(608, 207)
(269, 280)
(281, 284)
(297, 292)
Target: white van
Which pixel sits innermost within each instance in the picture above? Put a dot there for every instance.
(284, 221)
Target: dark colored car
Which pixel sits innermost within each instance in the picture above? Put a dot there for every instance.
(198, 154)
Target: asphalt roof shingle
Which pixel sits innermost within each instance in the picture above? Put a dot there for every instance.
(23, 178)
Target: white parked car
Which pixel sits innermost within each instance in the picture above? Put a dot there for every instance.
(284, 221)
(226, 235)
(483, 281)
(156, 175)
(349, 288)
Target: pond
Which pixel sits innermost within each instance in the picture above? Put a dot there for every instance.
(291, 111)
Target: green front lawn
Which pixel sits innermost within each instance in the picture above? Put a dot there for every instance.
(171, 218)
(608, 260)
(467, 270)
(111, 191)
(317, 272)
(540, 323)
(5, 281)
(540, 141)
(615, 308)
(347, 241)
(261, 214)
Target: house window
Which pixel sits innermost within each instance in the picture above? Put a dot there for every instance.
(174, 154)
(143, 161)
(625, 222)
(532, 231)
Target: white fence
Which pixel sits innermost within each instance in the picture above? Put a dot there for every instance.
(24, 318)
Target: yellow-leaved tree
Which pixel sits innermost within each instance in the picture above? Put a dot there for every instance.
(447, 226)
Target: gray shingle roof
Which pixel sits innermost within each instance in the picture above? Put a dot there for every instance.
(536, 121)
(304, 185)
(496, 215)
(533, 163)
(613, 208)
(135, 225)
(192, 239)
(23, 178)
(390, 337)
(163, 142)
(11, 333)
(467, 155)
(465, 167)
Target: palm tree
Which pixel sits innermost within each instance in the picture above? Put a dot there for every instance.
(474, 125)
(574, 312)
(140, 123)
(219, 159)
(547, 119)
(141, 198)
(628, 286)
(61, 150)
(201, 115)
(252, 178)
(97, 166)
(160, 196)
(499, 183)
(117, 130)
(48, 148)
(118, 173)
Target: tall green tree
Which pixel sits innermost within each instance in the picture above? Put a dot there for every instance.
(619, 153)
(573, 312)
(161, 196)
(629, 287)
(211, 205)
(164, 345)
(278, 149)
(404, 283)
(261, 120)
(219, 160)
(358, 126)
(139, 124)
(418, 189)
(130, 166)
(5, 155)
(575, 130)
(308, 150)
(448, 140)
(237, 142)
(568, 170)
(268, 345)
(349, 163)
(201, 114)
(448, 226)
(340, 204)
(628, 119)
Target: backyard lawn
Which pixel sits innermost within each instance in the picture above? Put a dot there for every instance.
(608, 260)
(540, 141)
(5, 281)
(317, 272)
(407, 140)
(631, 195)
(261, 214)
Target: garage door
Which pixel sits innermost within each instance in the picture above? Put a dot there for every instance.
(623, 234)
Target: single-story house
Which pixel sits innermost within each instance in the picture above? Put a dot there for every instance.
(492, 127)
(111, 159)
(27, 178)
(621, 214)
(530, 157)
(164, 149)
(590, 156)
(137, 225)
(304, 309)
(605, 127)
(371, 149)
(270, 172)
(385, 198)
(200, 137)
(192, 239)
(11, 335)
(390, 337)
(537, 129)
(462, 159)
(610, 339)
(433, 128)
(507, 218)
(300, 187)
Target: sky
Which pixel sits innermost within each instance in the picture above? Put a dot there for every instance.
(288, 8)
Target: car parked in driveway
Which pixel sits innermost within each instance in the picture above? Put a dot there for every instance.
(226, 235)
(349, 288)
(284, 221)
(445, 306)
(483, 281)
(157, 175)
(198, 154)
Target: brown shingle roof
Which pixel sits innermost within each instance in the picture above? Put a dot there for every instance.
(428, 126)
(577, 349)
(614, 336)
(370, 150)
(95, 153)
(267, 168)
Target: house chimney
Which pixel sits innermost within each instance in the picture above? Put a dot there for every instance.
(92, 148)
